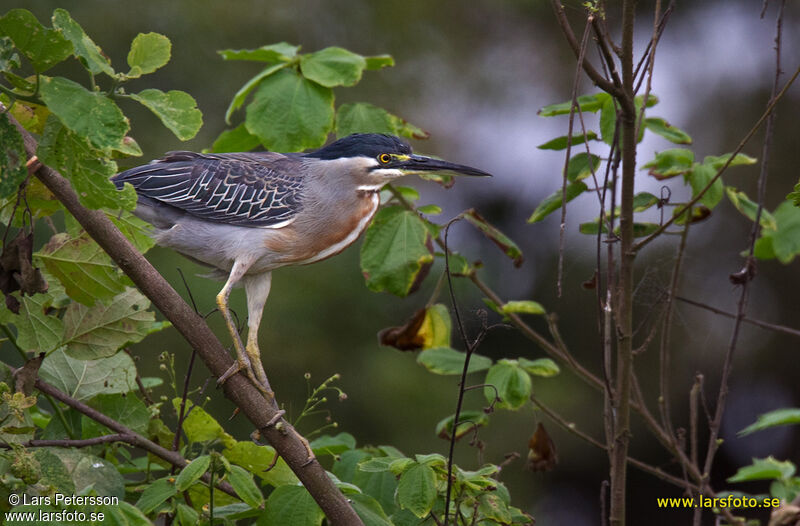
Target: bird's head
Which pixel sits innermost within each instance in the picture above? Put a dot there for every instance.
(374, 159)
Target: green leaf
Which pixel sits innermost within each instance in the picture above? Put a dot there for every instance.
(291, 506)
(777, 417)
(643, 229)
(123, 514)
(85, 270)
(552, 202)
(764, 468)
(747, 207)
(498, 238)
(492, 507)
(512, 383)
(794, 196)
(100, 331)
(9, 59)
(91, 472)
(149, 52)
(187, 516)
(89, 114)
(436, 327)
(333, 445)
(280, 52)
(192, 472)
(444, 360)
(12, 158)
(718, 161)
(369, 510)
(155, 494)
(258, 460)
(670, 163)
(467, 423)
(245, 487)
(290, 113)
(644, 200)
(416, 490)
(236, 140)
(608, 121)
(249, 86)
(84, 166)
(581, 166)
(362, 117)
(333, 66)
(542, 367)
(200, 426)
(42, 46)
(783, 243)
(592, 228)
(176, 109)
(430, 210)
(661, 127)
(561, 143)
(89, 53)
(135, 230)
(379, 61)
(395, 250)
(126, 409)
(699, 177)
(84, 379)
(36, 330)
(590, 103)
(523, 307)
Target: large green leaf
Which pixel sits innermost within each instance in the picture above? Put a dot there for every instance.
(149, 51)
(670, 163)
(561, 143)
(42, 46)
(444, 360)
(581, 166)
(136, 230)
(89, 114)
(12, 158)
(192, 471)
(369, 510)
(36, 330)
(764, 468)
(84, 166)
(99, 331)
(126, 409)
(333, 66)
(156, 493)
(290, 113)
(699, 177)
(777, 417)
(84, 269)
(552, 202)
(89, 53)
(749, 208)
(245, 487)
(416, 490)
(362, 117)
(661, 127)
(512, 384)
(176, 109)
(784, 242)
(291, 506)
(237, 139)
(249, 86)
(258, 460)
(396, 248)
(84, 379)
(89, 471)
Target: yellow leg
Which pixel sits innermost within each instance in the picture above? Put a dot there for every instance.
(242, 359)
(257, 288)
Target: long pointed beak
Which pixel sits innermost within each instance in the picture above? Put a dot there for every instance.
(419, 163)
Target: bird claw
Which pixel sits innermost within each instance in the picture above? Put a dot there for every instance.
(248, 370)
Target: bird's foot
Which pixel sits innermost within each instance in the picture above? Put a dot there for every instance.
(244, 365)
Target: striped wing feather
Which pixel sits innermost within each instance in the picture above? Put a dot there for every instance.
(246, 189)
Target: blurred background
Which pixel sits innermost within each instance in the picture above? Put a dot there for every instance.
(474, 74)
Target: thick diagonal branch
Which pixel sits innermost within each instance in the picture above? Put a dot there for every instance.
(287, 442)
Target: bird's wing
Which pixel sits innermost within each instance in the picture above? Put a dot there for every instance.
(245, 189)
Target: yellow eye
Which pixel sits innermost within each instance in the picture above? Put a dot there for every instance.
(384, 158)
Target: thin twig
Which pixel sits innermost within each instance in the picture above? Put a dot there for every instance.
(758, 323)
(749, 269)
